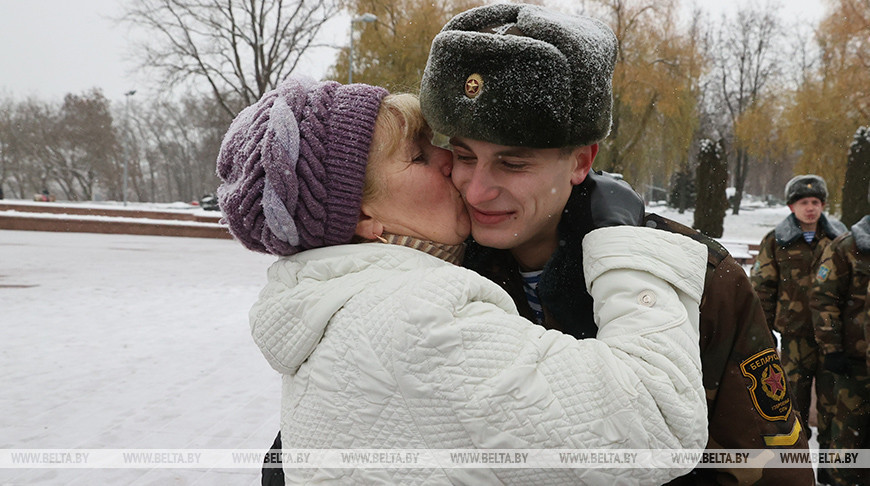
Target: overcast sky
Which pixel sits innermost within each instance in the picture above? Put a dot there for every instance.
(51, 47)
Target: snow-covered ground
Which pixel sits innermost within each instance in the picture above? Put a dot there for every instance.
(119, 341)
(750, 226)
(139, 342)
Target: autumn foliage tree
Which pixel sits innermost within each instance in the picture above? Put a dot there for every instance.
(762, 142)
(392, 51)
(833, 99)
(655, 88)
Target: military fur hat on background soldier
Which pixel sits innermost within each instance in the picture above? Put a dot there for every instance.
(514, 74)
(808, 185)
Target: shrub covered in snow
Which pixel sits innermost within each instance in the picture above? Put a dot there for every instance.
(855, 186)
(711, 202)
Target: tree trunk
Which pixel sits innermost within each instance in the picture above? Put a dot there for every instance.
(740, 170)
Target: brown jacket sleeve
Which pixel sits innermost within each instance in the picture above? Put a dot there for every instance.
(747, 406)
(737, 354)
(765, 278)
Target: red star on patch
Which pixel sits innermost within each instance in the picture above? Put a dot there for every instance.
(774, 381)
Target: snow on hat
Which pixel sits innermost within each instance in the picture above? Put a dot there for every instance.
(515, 74)
(293, 165)
(808, 185)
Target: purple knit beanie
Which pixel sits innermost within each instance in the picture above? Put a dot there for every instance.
(293, 165)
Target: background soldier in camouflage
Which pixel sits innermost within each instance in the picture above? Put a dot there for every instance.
(838, 301)
(782, 277)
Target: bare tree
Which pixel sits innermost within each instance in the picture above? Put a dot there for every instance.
(32, 142)
(172, 147)
(240, 48)
(81, 150)
(77, 149)
(747, 64)
(6, 159)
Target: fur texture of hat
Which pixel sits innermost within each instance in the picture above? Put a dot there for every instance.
(808, 185)
(293, 165)
(521, 75)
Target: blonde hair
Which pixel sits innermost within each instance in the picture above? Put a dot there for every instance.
(399, 120)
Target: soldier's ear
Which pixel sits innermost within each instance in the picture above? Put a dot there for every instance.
(582, 157)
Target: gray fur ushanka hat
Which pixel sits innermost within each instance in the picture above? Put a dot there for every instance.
(521, 75)
(809, 185)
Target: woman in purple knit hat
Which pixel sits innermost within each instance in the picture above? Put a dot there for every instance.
(384, 342)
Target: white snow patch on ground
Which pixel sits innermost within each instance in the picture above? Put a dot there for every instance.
(749, 226)
(120, 341)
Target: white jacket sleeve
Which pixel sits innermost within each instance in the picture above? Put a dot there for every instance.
(468, 369)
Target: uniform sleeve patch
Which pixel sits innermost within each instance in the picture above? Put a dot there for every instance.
(756, 266)
(822, 275)
(784, 440)
(768, 389)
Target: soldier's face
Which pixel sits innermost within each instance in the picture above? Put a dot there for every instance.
(807, 210)
(516, 195)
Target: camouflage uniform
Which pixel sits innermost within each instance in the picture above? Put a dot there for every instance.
(782, 277)
(838, 302)
(747, 407)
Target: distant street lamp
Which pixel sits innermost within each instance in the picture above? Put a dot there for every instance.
(127, 95)
(367, 18)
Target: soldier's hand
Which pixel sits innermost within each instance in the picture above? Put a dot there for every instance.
(613, 202)
(838, 363)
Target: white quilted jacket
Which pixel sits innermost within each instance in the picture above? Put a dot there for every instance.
(383, 346)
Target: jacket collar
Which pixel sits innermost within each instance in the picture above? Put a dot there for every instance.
(449, 253)
(789, 229)
(861, 233)
(562, 288)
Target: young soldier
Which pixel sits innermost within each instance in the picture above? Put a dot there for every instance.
(838, 301)
(782, 277)
(524, 96)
